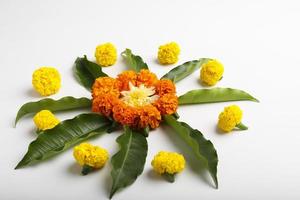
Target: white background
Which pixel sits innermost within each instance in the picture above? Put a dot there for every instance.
(258, 43)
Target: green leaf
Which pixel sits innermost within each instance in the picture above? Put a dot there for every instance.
(128, 163)
(203, 148)
(134, 62)
(180, 72)
(86, 72)
(65, 103)
(64, 135)
(214, 95)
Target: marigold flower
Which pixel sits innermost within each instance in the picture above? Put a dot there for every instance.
(168, 162)
(106, 54)
(139, 96)
(104, 104)
(45, 120)
(230, 118)
(146, 78)
(168, 53)
(46, 81)
(149, 116)
(211, 72)
(125, 78)
(92, 156)
(105, 85)
(165, 86)
(167, 104)
(125, 114)
(134, 99)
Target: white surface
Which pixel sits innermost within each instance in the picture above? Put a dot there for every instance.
(257, 41)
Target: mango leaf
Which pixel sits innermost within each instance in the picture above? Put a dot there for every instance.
(65, 103)
(214, 95)
(128, 163)
(203, 148)
(134, 62)
(86, 72)
(180, 72)
(64, 135)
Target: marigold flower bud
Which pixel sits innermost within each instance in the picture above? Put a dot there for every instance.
(211, 72)
(168, 162)
(45, 120)
(92, 156)
(168, 53)
(106, 54)
(230, 118)
(46, 81)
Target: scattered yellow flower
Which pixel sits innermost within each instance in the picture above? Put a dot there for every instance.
(168, 162)
(106, 54)
(45, 120)
(92, 156)
(230, 118)
(46, 81)
(211, 72)
(168, 53)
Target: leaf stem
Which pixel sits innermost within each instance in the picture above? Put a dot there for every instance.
(86, 169)
(242, 126)
(169, 177)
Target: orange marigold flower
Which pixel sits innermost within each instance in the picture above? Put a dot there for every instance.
(167, 104)
(165, 86)
(147, 78)
(149, 116)
(104, 104)
(105, 85)
(126, 77)
(125, 114)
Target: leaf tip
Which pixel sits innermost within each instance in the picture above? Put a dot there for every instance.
(112, 192)
(19, 165)
(124, 53)
(255, 100)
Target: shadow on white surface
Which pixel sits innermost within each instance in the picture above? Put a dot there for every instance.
(32, 93)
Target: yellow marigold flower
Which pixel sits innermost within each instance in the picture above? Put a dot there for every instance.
(46, 81)
(139, 96)
(106, 54)
(45, 120)
(168, 162)
(168, 53)
(211, 72)
(92, 156)
(230, 118)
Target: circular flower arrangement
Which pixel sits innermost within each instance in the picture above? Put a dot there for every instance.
(137, 101)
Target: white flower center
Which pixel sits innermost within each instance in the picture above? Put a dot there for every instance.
(139, 96)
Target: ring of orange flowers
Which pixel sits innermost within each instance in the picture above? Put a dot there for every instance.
(106, 99)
